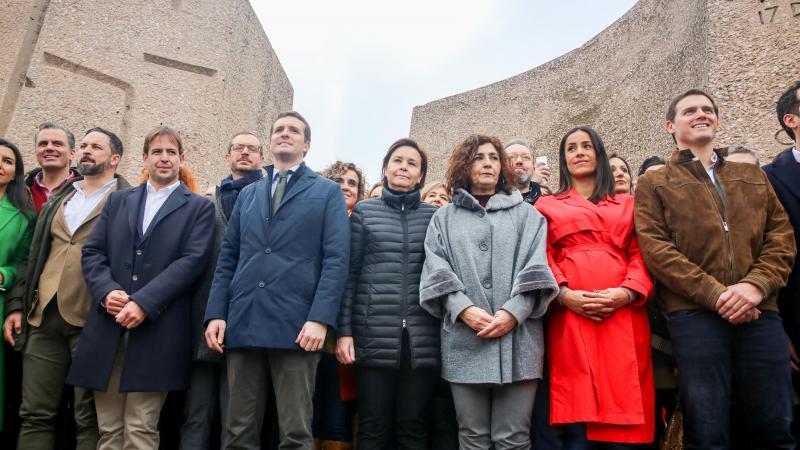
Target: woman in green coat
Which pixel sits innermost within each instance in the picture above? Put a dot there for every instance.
(16, 227)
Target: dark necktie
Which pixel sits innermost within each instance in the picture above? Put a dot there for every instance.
(277, 196)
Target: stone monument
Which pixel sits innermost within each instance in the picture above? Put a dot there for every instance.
(204, 67)
(743, 52)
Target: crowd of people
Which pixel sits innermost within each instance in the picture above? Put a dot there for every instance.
(296, 309)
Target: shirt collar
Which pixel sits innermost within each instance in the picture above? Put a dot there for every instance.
(796, 154)
(167, 190)
(290, 171)
(39, 180)
(78, 185)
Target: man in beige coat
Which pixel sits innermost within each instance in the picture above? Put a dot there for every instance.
(53, 296)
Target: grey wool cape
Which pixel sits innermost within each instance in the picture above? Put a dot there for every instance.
(493, 258)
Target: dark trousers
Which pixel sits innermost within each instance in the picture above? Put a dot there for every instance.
(333, 417)
(712, 355)
(45, 362)
(206, 399)
(543, 436)
(444, 425)
(292, 374)
(575, 439)
(391, 399)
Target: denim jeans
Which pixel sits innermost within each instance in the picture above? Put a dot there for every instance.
(711, 354)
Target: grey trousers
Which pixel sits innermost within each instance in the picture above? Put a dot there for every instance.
(45, 362)
(292, 374)
(208, 392)
(494, 416)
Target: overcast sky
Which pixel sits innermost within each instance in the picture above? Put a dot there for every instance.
(358, 67)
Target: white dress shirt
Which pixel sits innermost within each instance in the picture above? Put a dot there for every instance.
(80, 205)
(710, 169)
(154, 201)
(796, 155)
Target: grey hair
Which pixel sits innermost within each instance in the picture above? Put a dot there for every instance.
(519, 141)
(55, 126)
(738, 149)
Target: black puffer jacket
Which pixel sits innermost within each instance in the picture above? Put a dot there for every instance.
(382, 297)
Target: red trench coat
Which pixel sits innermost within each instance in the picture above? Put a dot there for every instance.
(600, 373)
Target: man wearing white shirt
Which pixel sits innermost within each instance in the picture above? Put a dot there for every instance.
(784, 175)
(141, 262)
(49, 311)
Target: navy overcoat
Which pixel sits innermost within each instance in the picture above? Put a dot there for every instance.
(274, 273)
(784, 175)
(159, 272)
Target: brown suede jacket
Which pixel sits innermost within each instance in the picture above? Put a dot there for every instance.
(697, 242)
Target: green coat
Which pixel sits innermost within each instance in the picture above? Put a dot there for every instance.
(15, 239)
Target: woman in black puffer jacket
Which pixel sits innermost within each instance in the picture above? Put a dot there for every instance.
(383, 330)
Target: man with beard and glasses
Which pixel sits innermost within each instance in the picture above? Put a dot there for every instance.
(49, 305)
(529, 177)
(208, 387)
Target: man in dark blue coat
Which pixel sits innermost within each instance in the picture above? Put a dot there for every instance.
(784, 175)
(278, 285)
(141, 261)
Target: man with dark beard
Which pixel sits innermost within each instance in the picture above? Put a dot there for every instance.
(208, 389)
(529, 176)
(51, 310)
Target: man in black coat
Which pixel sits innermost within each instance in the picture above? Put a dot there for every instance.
(141, 262)
(784, 175)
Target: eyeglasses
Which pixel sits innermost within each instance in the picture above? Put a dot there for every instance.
(238, 148)
(525, 158)
(350, 182)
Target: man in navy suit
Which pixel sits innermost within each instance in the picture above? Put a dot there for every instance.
(279, 281)
(141, 261)
(784, 175)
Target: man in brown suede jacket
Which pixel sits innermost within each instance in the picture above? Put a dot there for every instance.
(716, 238)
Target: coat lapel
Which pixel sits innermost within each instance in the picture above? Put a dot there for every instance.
(786, 171)
(175, 200)
(97, 209)
(132, 204)
(303, 183)
(8, 212)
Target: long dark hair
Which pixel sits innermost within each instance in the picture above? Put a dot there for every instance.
(603, 179)
(17, 194)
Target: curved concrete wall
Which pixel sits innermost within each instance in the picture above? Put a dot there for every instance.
(204, 67)
(621, 82)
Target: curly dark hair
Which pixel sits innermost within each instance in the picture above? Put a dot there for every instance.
(339, 168)
(460, 165)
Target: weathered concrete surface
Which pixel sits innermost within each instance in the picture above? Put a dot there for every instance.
(204, 67)
(622, 81)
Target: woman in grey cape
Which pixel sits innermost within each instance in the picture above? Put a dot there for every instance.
(486, 276)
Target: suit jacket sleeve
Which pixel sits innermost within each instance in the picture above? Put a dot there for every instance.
(228, 259)
(665, 261)
(181, 273)
(335, 258)
(94, 255)
(774, 264)
(356, 261)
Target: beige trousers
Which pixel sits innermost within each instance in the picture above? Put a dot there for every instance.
(127, 420)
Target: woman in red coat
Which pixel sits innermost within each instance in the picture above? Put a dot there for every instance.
(598, 336)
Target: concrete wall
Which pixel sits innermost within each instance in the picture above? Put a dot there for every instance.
(204, 67)
(622, 81)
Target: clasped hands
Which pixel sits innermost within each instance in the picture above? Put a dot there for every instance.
(488, 326)
(125, 310)
(597, 305)
(739, 303)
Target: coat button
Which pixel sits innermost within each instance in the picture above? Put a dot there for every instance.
(483, 246)
(138, 253)
(261, 284)
(481, 213)
(487, 284)
(268, 250)
(135, 278)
